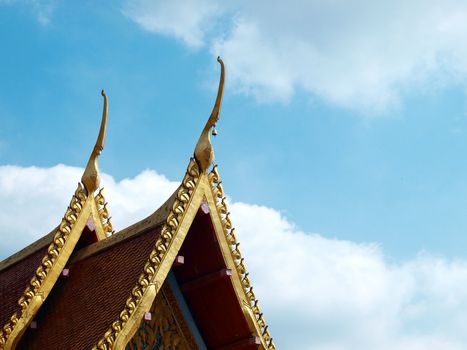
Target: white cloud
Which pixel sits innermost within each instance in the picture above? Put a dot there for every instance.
(317, 293)
(325, 294)
(33, 200)
(361, 55)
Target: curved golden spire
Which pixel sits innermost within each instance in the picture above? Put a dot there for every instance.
(90, 178)
(204, 153)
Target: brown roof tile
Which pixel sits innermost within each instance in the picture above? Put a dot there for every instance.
(80, 307)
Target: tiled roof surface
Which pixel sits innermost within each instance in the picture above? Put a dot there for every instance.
(80, 307)
(13, 281)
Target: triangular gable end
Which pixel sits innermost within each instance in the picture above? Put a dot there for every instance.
(197, 189)
(243, 302)
(235, 262)
(86, 220)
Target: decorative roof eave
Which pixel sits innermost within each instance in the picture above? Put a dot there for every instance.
(83, 206)
(197, 187)
(160, 260)
(230, 248)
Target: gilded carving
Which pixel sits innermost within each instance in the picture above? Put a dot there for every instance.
(146, 290)
(120, 332)
(47, 263)
(165, 330)
(130, 316)
(104, 213)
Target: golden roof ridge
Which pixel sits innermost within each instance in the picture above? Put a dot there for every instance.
(198, 186)
(204, 152)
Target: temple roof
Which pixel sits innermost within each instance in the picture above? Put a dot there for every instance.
(83, 286)
(130, 247)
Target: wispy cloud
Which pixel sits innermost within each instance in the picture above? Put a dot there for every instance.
(360, 55)
(42, 9)
(325, 294)
(188, 21)
(317, 293)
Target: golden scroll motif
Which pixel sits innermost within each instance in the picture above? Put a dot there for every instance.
(229, 232)
(152, 277)
(83, 206)
(103, 212)
(31, 295)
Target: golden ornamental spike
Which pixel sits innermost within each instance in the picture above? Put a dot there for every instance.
(90, 177)
(204, 153)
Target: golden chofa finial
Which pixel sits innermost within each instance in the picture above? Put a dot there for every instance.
(90, 177)
(204, 153)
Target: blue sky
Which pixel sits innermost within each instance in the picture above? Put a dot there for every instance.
(395, 175)
(349, 119)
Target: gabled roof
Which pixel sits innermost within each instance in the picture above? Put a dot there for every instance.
(113, 282)
(97, 273)
(78, 310)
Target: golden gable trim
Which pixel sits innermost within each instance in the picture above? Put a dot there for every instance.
(81, 208)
